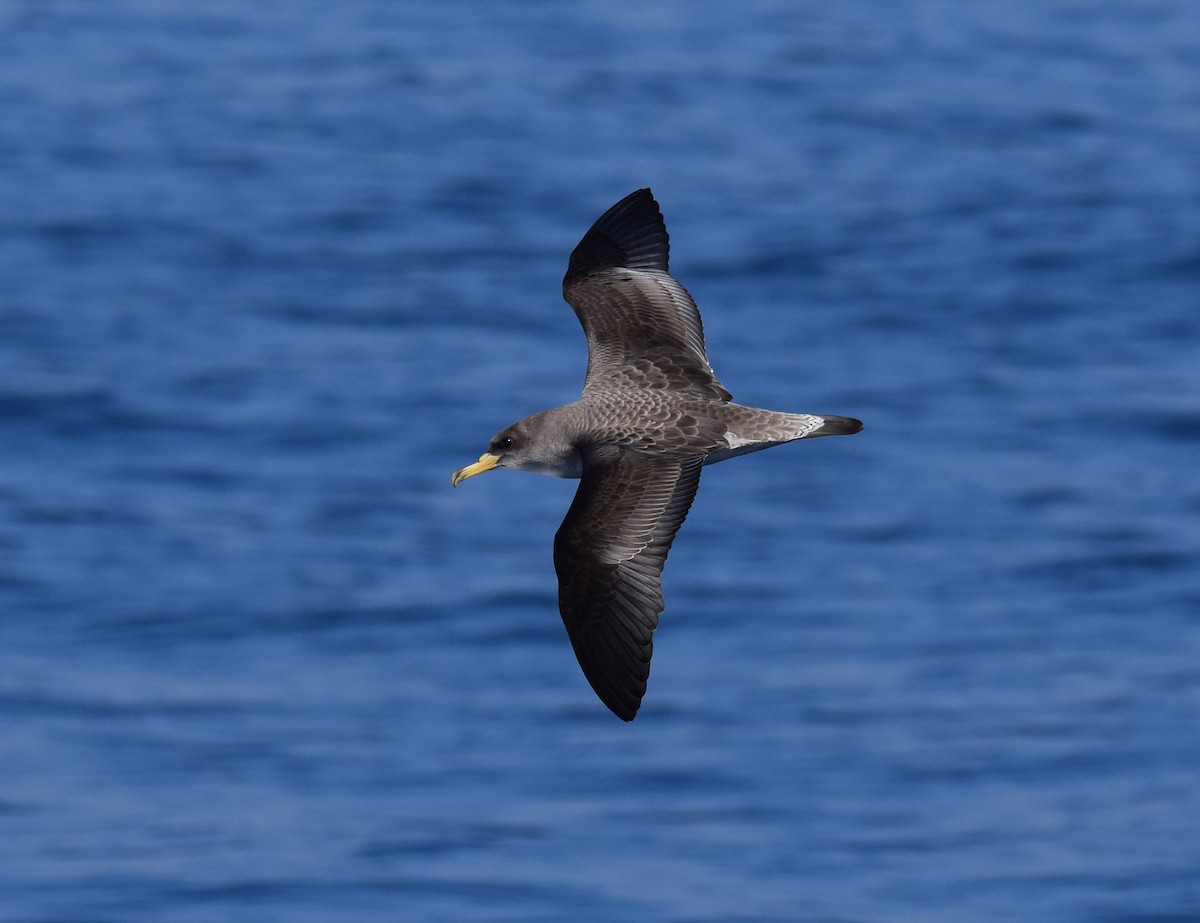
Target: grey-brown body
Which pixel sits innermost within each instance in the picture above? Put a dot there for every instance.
(665, 424)
(652, 413)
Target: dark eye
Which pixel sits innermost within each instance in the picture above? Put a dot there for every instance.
(504, 443)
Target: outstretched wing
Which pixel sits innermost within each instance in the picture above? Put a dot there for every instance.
(631, 308)
(609, 555)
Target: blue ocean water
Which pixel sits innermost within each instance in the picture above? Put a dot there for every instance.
(272, 271)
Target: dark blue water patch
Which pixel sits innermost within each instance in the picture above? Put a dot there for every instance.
(89, 413)
(999, 766)
(199, 477)
(73, 238)
(1057, 497)
(96, 516)
(803, 259)
(699, 782)
(49, 706)
(435, 838)
(222, 382)
(339, 315)
(12, 808)
(1112, 570)
(323, 436)
(22, 586)
(1174, 427)
(184, 627)
(1184, 264)
(518, 616)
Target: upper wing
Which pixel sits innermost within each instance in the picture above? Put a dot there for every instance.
(630, 306)
(609, 555)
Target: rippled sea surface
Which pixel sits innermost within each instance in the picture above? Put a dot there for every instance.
(270, 271)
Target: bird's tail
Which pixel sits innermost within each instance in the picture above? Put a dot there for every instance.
(752, 429)
(836, 426)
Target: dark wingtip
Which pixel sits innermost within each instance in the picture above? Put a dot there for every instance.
(611, 678)
(625, 714)
(839, 426)
(614, 691)
(630, 235)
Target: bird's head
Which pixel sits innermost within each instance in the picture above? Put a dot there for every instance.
(533, 444)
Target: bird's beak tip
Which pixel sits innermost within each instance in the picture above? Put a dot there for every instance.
(486, 462)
